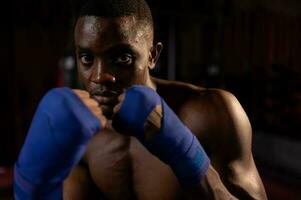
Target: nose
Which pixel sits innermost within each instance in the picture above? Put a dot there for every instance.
(101, 75)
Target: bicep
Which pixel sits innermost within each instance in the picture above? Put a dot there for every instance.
(223, 128)
(240, 172)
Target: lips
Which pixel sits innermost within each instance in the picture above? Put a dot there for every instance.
(105, 100)
(106, 97)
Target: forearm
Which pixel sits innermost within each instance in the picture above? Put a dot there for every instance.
(245, 181)
(213, 187)
(25, 189)
(173, 143)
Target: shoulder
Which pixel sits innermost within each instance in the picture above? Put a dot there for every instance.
(229, 142)
(195, 93)
(214, 109)
(219, 121)
(214, 115)
(224, 107)
(217, 116)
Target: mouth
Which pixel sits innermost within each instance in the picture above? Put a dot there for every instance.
(106, 97)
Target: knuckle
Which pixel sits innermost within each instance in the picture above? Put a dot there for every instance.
(81, 93)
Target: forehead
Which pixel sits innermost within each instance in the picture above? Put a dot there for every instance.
(91, 31)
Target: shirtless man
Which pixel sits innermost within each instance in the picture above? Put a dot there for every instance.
(116, 158)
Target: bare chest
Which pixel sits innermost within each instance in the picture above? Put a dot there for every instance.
(123, 169)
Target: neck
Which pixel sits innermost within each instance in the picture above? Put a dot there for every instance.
(150, 83)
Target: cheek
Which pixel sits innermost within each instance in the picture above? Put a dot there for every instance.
(83, 75)
(125, 76)
(141, 71)
(129, 76)
(140, 75)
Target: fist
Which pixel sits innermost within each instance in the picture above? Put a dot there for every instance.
(118, 105)
(64, 122)
(92, 105)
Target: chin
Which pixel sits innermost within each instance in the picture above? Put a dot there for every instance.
(107, 111)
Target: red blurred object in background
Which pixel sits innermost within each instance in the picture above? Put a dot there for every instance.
(6, 178)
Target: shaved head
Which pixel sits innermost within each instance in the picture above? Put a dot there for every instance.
(138, 9)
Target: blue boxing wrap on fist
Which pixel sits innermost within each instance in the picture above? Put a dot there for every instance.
(56, 141)
(173, 143)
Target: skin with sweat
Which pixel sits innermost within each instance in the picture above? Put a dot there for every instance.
(115, 53)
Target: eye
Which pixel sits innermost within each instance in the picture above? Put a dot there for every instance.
(124, 59)
(86, 59)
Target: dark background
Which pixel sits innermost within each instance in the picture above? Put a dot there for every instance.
(251, 48)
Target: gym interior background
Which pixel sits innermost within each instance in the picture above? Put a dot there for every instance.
(249, 47)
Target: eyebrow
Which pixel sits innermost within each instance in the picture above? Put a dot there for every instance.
(82, 49)
(122, 47)
(110, 50)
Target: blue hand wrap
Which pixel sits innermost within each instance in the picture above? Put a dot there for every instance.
(56, 141)
(174, 143)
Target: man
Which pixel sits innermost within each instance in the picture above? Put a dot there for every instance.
(135, 140)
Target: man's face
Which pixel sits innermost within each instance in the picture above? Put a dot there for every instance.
(112, 55)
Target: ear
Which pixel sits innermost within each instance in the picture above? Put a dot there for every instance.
(154, 55)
